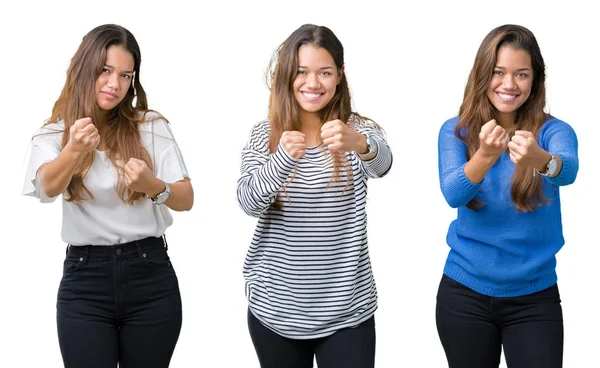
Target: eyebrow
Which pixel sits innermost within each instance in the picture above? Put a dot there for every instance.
(323, 68)
(519, 70)
(112, 67)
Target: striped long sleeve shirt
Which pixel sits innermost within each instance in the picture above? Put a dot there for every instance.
(307, 269)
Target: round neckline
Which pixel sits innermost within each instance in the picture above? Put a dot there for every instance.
(315, 147)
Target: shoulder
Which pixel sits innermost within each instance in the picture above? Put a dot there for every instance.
(555, 123)
(50, 133)
(358, 122)
(554, 126)
(448, 127)
(153, 121)
(263, 126)
(262, 129)
(451, 123)
(258, 138)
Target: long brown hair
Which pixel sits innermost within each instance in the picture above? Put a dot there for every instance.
(284, 110)
(78, 100)
(476, 109)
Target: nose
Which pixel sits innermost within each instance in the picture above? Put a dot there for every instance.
(312, 81)
(508, 82)
(113, 81)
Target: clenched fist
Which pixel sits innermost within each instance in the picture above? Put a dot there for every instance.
(493, 139)
(339, 137)
(83, 136)
(524, 150)
(139, 177)
(294, 143)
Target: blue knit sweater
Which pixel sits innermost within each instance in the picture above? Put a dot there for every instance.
(496, 250)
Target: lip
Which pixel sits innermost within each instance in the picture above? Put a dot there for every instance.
(507, 97)
(109, 94)
(315, 95)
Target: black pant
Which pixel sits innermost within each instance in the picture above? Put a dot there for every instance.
(347, 348)
(118, 304)
(473, 328)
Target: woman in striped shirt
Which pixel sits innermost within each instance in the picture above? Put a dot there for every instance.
(304, 172)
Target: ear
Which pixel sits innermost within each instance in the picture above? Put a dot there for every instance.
(340, 76)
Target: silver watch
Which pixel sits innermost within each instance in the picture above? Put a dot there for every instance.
(371, 145)
(551, 168)
(162, 197)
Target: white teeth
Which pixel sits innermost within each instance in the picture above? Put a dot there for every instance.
(311, 96)
(506, 97)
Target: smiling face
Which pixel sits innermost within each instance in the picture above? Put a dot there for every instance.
(511, 83)
(316, 79)
(113, 82)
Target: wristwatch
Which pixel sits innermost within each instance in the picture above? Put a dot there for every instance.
(162, 197)
(551, 167)
(371, 145)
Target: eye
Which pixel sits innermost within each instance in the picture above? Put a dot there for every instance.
(498, 72)
(126, 76)
(522, 75)
(105, 70)
(325, 73)
(302, 72)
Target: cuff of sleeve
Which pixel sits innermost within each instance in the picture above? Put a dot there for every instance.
(565, 173)
(283, 162)
(465, 182)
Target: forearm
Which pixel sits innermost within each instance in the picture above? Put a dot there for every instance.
(56, 175)
(478, 166)
(379, 163)
(260, 182)
(182, 195)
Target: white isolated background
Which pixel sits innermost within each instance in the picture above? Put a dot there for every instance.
(203, 68)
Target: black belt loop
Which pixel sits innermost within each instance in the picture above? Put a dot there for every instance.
(165, 241)
(67, 251)
(139, 249)
(87, 254)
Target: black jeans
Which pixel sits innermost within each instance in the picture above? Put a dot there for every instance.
(473, 328)
(118, 303)
(347, 348)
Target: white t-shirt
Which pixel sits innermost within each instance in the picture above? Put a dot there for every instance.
(106, 219)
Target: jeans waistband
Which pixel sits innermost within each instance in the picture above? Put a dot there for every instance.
(136, 247)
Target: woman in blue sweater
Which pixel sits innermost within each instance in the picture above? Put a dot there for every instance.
(501, 163)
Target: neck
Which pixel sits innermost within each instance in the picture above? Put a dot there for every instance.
(310, 125)
(506, 121)
(102, 126)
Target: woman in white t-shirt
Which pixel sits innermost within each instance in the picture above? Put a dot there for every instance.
(119, 169)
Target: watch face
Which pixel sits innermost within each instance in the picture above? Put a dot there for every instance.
(161, 198)
(371, 143)
(552, 166)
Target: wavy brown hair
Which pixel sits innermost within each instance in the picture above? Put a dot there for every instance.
(476, 108)
(78, 100)
(284, 110)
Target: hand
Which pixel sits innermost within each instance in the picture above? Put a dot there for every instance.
(139, 177)
(294, 143)
(339, 137)
(83, 136)
(493, 139)
(524, 150)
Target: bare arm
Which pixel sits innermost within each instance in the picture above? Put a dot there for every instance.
(56, 175)
(182, 194)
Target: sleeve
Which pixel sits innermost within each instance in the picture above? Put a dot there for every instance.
(381, 164)
(558, 138)
(262, 174)
(169, 165)
(45, 146)
(457, 189)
